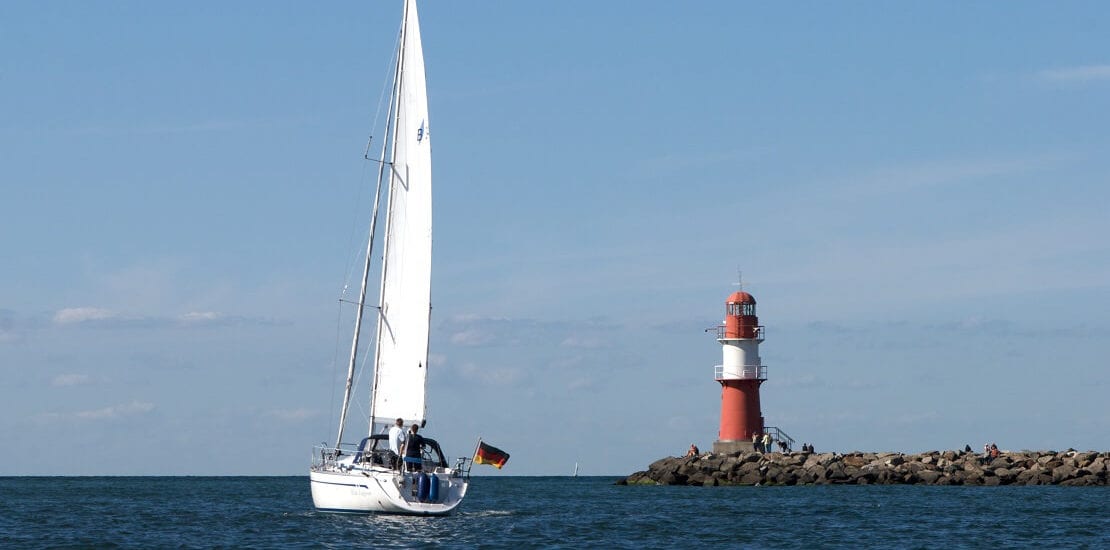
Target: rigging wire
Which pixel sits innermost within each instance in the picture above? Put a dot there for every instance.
(352, 260)
(354, 255)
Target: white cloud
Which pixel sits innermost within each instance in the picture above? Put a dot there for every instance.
(898, 179)
(472, 337)
(201, 316)
(566, 363)
(63, 380)
(293, 414)
(1082, 73)
(580, 383)
(117, 411)
(492, 375)
(585, 342)
(74, 315)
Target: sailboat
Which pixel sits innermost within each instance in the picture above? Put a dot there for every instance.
(369, 477)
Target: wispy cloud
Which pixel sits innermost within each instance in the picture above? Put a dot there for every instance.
(581, 383)
(685, 160)
(116, 411)
(65, 380)
(201, 316)
(293, 414)
(472, 336)
(1077, 74)
(74, 315)
(214, 125)
(897, 179)
(107, 318)
(474, 330)
(491, 375)
(124, 410)
(584, 342)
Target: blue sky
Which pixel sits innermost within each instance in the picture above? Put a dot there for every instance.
(917, 195)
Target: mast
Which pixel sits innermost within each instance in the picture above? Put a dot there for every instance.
(382, 164)
(395, 123)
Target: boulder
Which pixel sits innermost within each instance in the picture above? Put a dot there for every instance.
(819, 472)
(836, 473)
(662, 463)
(1085, 459)
(697, 478)
(1005, 476)
(865, 475)
(973, 477)
(1083, 481)
(928, 476)
(751, 478)
(854, 460)
(1097, 465)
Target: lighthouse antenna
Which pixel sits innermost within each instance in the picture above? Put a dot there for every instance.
(739, 278)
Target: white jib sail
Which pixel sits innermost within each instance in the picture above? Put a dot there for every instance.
(402, 357)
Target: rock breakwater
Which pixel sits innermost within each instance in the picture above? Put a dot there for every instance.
(1073, 468)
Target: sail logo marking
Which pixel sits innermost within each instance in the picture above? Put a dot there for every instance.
(420, 132)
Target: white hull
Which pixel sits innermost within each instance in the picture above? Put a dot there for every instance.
(375, 489)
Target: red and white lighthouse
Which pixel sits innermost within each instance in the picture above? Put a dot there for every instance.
(740, 374)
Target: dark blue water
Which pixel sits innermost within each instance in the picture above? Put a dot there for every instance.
(273, 512)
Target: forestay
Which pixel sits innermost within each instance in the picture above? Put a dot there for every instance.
(402, 353)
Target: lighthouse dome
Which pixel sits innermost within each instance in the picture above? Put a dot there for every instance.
(740, 298)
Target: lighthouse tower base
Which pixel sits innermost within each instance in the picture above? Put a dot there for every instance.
(730, 447)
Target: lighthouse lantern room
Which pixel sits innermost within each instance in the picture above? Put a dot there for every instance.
(740, 375)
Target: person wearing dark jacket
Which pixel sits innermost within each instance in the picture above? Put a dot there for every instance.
(414, 449)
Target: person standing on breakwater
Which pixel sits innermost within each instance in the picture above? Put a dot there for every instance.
(757, 443)
(767, 440)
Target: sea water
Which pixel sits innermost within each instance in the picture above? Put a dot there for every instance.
(556, 512)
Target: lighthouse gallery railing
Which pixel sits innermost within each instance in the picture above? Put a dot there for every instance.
(752, 372)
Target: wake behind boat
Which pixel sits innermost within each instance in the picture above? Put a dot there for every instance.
(372, 477)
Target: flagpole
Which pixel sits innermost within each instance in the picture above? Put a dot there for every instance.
(476, 447)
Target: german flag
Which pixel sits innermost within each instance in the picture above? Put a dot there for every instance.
(488, 454)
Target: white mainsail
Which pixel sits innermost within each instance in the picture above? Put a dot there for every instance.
(401, 364)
